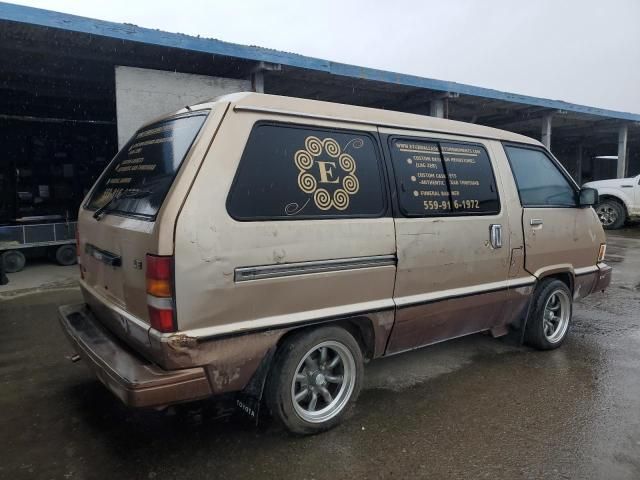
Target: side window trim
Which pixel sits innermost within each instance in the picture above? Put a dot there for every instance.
(398, 210)
(556, 163)
(373, 135)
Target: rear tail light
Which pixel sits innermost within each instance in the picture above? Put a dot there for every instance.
(78, 256)
(160, 301)
(602, 252)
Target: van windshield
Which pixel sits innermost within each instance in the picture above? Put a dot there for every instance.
(139, 177)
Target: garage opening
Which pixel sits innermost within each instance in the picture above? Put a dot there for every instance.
(62, 119)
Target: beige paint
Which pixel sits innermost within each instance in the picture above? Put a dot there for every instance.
(125, 287)
(210, 250)
(442, 253)
(568, 239)
(437, 257)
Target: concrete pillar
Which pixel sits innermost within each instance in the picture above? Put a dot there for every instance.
(579, 164)
(546, 131)
(257, 81)
(622, 151)
(436, 108)
(143, 94)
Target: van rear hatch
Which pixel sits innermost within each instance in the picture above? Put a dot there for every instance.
(117, 225)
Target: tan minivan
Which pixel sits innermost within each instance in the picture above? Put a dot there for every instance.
(268, 246)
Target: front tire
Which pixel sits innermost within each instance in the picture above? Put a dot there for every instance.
(315, 380)
(611, 214)
(548, 323)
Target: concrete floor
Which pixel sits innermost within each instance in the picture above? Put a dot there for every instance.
(39, 274)
(475, 407)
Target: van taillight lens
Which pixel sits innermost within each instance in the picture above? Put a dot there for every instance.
(160, 293)
(159, 276)
(161, 319)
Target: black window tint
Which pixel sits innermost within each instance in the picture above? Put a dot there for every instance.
(443, 178)
(473, 186)
(292, 172)
(420, 177)
(539, 181)
(142, 172)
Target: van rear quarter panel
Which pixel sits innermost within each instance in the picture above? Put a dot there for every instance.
(131, 239)
(210, 245)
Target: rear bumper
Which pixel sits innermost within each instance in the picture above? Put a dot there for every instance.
(132, 379)
(604, 277)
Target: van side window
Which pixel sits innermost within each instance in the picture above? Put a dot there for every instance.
(471, 178)
(540, 182)
(443, 178)
(291, 172)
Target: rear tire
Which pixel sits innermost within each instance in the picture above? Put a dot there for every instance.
(315, 380)
(550, 316)
(13, 261)
(66, 255)
(611, 213)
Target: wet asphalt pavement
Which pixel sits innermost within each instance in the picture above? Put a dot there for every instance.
(475, 407)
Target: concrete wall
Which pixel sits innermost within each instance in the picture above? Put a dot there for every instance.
(143, 94)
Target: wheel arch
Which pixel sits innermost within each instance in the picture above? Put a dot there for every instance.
(612, 195)
(563, 272)
(362, 330)
(566, 276)
(361, 327)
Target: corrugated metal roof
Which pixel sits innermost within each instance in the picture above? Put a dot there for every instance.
(133, 33)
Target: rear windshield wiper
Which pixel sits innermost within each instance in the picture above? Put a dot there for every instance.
(125, 194)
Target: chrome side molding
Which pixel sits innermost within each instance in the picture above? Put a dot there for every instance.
(243, 274)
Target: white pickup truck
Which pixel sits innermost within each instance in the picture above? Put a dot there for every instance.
(619, 200)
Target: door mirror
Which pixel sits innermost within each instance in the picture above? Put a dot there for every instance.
(588, 197)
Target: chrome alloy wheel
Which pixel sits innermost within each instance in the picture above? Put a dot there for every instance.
(557, 312)
(607, 215)
(323, 382)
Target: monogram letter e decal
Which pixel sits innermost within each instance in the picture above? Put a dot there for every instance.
(323, 163)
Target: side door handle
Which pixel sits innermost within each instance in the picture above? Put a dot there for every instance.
(535, 221)
(495, 235)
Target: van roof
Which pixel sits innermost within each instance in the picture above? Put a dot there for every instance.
(251, 101)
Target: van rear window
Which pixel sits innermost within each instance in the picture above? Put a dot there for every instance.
(139, 177)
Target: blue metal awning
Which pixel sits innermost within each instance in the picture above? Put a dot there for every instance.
(73, 23)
